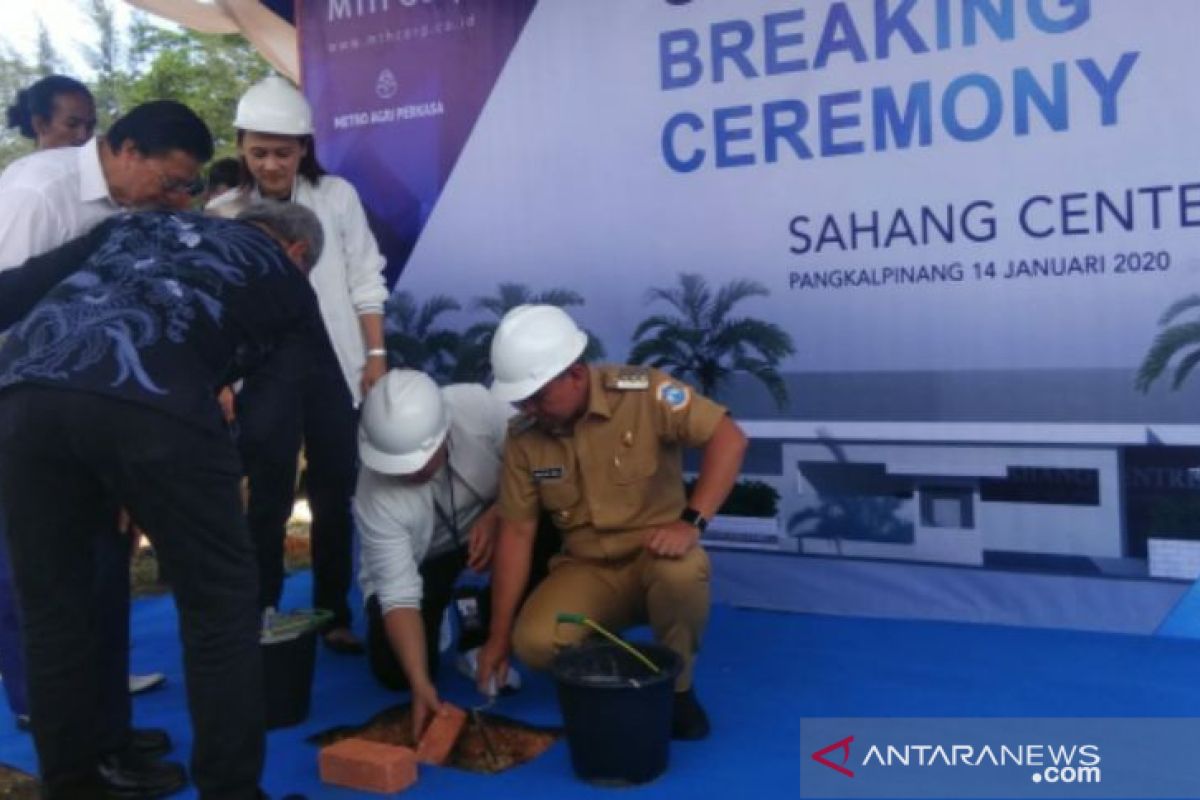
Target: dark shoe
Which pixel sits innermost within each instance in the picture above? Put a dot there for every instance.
(342, 640)
(132, 777)
(149, 742)
(688, 720)
(73, 787)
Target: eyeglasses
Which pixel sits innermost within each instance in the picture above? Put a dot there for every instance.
(192, 187)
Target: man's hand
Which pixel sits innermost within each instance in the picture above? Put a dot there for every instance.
(373, 370)
(672, 540)
(481, 542)
(226, 400)
(425, 704)
(493, 666)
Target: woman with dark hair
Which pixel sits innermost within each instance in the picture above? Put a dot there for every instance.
(274, 134)
(57, 111)
(223, 174)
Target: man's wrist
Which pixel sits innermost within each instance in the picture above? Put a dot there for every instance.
(694, 518)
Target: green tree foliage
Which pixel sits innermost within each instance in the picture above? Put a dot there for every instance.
(207, 72)
(1176, 339)
(704, 343)
(104, 58)
(413, 339)
(144, 62)
(48, 59)
(15, 75)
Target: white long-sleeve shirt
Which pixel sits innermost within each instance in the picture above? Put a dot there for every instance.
(348, 277)
(48, 198)
(398, 523)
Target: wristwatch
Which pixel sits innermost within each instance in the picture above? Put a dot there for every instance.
(694, 518)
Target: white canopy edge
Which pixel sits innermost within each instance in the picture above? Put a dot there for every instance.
(273, 37)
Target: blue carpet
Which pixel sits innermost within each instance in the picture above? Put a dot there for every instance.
(759, 674)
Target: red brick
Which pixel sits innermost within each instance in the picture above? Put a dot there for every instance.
(439, 738)
(368, 766)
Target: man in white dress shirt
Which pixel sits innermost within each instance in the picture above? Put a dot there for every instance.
(149, 158)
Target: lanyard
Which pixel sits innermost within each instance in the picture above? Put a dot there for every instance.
(449, 520)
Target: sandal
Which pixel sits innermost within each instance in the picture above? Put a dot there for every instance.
(342, 640)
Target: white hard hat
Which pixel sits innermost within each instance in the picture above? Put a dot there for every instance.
(404, 422)
(274, 105)
(532, 346)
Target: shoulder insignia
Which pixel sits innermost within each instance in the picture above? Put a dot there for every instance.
(628, 379)
(674, 396)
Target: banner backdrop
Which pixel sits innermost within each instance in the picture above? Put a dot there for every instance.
(397, 87)
(953, 226)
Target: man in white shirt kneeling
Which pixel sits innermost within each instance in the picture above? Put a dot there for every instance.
(425, 506)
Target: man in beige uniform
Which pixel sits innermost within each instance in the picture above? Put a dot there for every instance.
(599, 448)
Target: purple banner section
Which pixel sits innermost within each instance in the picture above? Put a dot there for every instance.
(396, 87)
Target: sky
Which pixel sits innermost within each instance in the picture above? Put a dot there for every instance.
(67, 20)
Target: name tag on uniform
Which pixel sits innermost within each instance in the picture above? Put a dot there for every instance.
(631, 379)
(547, 474)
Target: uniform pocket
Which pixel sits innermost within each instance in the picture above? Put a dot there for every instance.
(558, 495)
(631, 465)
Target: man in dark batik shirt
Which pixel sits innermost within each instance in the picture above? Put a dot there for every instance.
(108, 397)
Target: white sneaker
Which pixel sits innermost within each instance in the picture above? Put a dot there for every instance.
(144, 683)
(468, 665)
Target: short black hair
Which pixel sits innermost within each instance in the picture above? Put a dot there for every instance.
(309, 166)
(38, 101)
(160, 126)
(225, 172)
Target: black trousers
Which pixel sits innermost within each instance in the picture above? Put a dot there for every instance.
(438, 576)
(275, 413)
(111, 601)
(67, 459)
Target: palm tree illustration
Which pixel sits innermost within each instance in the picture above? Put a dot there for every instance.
(1175, 339)
(475, 345)
(705, 343)
(412, 339)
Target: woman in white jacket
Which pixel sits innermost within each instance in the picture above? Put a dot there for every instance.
(275, 143)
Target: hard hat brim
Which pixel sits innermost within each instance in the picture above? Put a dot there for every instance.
(516, 391)
(397, 464)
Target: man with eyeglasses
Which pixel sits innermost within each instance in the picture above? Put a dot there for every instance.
(149, 158)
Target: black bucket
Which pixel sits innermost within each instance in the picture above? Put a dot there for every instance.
(616, 712)
(289, 654)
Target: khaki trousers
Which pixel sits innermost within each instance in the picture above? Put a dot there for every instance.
(671, 594)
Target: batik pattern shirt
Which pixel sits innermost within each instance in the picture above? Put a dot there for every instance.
(166, 308)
